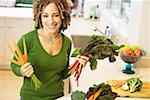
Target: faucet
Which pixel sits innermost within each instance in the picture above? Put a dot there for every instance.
(96, 29)
(110, 34)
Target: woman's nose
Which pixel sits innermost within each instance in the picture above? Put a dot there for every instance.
(51, 19)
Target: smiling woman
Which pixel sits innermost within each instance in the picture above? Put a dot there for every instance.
(46, 45)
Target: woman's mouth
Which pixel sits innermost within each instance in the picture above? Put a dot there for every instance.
(52, 26)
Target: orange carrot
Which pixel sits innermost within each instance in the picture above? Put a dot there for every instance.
(13, 61)
(14, 54)
(119, 84)
(19, 53)
(21, 59)
(25, 56)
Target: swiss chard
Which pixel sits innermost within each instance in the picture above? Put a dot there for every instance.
(98, 48)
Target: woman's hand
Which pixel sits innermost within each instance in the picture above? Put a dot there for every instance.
(77, 66)
(27, 70)
(82, 60)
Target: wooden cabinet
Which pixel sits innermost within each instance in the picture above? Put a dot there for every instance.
(11, 29)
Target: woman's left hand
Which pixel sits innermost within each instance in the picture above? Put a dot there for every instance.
(82, 60)
(77, 66)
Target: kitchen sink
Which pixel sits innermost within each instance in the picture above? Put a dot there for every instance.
(80, 41)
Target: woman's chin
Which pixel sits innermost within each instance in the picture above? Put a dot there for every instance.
(52, 31)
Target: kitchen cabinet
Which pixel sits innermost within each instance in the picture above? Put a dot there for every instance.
(11, 29)
(1, 36)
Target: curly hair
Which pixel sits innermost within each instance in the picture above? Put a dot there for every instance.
(63, 8)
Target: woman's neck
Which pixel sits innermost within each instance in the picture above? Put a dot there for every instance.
(43, 33)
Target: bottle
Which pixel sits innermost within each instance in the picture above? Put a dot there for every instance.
(108, 33)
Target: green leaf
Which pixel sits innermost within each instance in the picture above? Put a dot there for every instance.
(115, 47)
(76, 52)
(78, 95)
(112, 58)
(93, 63)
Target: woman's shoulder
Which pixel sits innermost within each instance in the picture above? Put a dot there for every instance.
(30, 34)
(29, 38)
(66, 38)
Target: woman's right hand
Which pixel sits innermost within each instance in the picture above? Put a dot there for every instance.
(27, 70)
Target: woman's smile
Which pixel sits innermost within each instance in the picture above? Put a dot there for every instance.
(51, 19)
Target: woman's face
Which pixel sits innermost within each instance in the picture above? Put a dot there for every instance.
(51, 19)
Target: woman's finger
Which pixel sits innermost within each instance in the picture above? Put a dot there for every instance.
(84, 57)
(82, 61)
(25, 65)
(30, 73)
(27, 68)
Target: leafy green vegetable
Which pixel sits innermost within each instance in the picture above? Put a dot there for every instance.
(76, 52)
(105, 94)
(78, 95)
(94, 89)
(134, 84)
(105, 97)
(99, 47)
(93, 63)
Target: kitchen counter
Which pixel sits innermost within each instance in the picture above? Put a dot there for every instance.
(68, 97)
(106, 71)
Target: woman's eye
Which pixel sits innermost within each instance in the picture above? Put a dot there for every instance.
(56, 15)
(45, 15)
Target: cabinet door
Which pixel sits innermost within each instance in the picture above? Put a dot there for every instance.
(2, 33)
(15, 28)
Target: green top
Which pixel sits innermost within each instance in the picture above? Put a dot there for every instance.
(50, 70)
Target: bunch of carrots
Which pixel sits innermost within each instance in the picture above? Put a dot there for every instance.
(21, 59)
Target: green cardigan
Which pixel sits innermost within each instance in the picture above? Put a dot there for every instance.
(50, 70)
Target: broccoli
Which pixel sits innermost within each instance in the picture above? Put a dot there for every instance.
(134, 84)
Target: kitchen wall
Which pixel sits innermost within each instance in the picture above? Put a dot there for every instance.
(139, 25)
(137, 30)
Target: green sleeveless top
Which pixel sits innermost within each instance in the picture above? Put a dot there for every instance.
(50, 70)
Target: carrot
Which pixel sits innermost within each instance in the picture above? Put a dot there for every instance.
(25, 56)
(14, 54)
(19, 53)
(95, 95)
(21, 59)
(120, 83)
(13, 61)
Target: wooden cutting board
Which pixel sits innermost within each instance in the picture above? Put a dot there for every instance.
(143, 93)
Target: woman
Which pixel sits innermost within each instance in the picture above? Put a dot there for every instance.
(48, 51)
